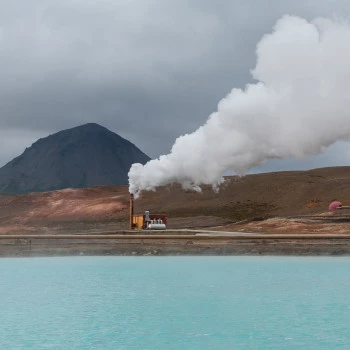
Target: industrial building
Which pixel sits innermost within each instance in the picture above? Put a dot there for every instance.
(146, 221)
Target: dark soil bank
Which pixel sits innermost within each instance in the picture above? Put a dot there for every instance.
(172, 245)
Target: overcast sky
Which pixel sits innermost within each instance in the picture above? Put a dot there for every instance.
(148, 70)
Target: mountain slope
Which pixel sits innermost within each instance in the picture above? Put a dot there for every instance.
(84, 156)
(252, 197)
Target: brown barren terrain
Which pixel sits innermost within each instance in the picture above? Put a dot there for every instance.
(255, 199)
(281, 203)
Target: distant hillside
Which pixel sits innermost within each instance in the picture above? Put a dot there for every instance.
(252, 197)
(255, 196)
(84, 156)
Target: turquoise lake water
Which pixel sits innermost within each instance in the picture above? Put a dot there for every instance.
(175, 303)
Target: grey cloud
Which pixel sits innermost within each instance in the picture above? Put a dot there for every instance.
(148, 70)
(336, 155)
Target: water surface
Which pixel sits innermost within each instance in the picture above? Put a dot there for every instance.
(175, 303)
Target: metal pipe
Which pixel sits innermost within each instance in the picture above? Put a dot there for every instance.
(131, 210)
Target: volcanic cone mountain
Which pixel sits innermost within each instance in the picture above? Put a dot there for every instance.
(84, 156)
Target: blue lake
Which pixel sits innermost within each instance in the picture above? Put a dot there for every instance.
(175, 303)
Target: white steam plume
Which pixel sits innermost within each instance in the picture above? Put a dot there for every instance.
(299, 105)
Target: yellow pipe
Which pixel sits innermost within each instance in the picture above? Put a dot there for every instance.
(131, 210)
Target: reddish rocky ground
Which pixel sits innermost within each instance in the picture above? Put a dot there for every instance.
(263, 202)
(291, 225)
(65, 210)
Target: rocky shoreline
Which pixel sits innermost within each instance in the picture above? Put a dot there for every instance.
(174, 244)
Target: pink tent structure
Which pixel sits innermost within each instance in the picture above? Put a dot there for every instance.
(334, 206)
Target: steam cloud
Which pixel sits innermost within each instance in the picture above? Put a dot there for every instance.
(299, 105)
